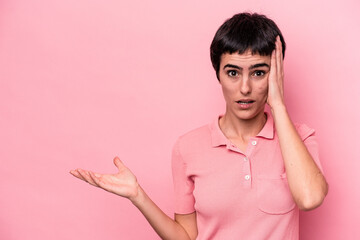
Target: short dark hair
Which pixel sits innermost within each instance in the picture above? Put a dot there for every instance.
(242, 32)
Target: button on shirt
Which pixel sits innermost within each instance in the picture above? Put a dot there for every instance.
(237, 195)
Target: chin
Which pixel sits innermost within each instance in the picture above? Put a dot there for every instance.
(249, 115)
(245, 117)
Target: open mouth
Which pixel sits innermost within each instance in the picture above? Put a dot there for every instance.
(244, 102)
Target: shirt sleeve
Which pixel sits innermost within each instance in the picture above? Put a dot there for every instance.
(308, 136)
(183, 184)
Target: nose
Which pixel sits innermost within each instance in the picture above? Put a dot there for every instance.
(245, 86)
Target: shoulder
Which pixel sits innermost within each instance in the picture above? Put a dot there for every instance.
(195, 135)
(194, 139)
(304, 130)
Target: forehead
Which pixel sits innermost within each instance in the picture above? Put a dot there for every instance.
(245, 59)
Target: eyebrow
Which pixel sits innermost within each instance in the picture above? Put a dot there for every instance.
(251, 67)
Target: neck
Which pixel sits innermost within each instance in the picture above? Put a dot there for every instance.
(233, 127)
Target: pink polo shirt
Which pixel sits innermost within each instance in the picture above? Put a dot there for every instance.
(237, 195)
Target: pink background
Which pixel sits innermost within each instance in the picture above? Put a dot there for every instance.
(82, 81)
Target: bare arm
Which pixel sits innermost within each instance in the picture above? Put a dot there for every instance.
(124, 184)
(307, 184)
(188, 222)
(183, 227)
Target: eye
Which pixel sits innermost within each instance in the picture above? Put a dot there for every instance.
(258, 73)
(232, 73)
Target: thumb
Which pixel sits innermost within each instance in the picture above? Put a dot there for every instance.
(118, 163)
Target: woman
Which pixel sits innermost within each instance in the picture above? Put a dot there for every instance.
(248, 173)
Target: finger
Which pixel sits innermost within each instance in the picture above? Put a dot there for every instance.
(82, 174)
(273, 68)
(281, 50)
(92, 177)
(86, 176)
(281, 57)
(118, 163)
(280, 72)
(76, 174)
(278, 56)
(96, 179)
(278, 40)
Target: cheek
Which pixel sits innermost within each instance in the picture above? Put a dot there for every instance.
(265, 86)
(228, 91)
(263, 89)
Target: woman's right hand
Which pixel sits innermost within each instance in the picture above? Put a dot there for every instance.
(123, 183)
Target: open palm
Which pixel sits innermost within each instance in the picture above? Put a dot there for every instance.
(123, 183)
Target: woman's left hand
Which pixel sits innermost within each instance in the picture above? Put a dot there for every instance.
(276, 77)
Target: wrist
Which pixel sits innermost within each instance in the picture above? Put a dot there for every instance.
(276, 108)
(138, 198)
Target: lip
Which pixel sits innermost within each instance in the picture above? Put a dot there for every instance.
(247, 103)
(246, 100)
